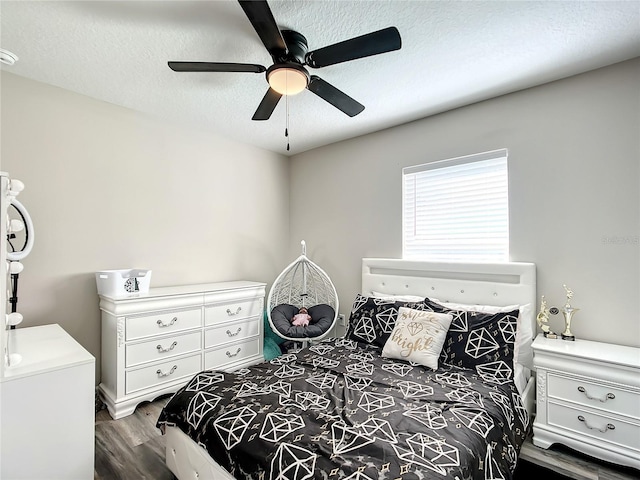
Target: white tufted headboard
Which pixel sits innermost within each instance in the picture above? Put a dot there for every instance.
(501, 284)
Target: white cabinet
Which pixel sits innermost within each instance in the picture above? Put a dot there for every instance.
(588, 398)
(154, 343)
(47, 407)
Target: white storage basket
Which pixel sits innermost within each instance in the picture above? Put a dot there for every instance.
(123, 283)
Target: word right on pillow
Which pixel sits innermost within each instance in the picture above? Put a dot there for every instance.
(484, 342)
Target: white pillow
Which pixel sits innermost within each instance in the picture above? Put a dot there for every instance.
(523, 353)
(418, 336)
(398, 298)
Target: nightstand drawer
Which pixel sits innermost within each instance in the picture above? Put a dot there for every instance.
(231, 332)
(588, 398)
(233, 311)
(231, 353)
(162, 348)
(594, 395)
(162, 323)
(593, 425)
(164, 372)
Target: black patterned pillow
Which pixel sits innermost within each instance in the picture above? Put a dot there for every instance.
(372, 319)
(484, 342)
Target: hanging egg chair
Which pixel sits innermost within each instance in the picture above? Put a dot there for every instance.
(303, 284)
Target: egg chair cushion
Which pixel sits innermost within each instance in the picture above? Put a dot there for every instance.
(322, 318)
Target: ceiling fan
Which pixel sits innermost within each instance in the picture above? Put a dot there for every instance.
(289, 51)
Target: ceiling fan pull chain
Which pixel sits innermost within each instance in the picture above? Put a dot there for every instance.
(286, 128)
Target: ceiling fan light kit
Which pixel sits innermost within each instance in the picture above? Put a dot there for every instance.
(287, 79)
(289, 52)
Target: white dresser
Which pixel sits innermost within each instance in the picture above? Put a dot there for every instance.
(588, 398)
(154, 343)
(47, 404)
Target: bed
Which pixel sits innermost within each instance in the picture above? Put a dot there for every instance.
(347, 408)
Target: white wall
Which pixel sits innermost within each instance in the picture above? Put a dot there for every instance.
(574, 177)
(111, 188)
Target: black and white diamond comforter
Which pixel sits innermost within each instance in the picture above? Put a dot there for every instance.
(338, 410)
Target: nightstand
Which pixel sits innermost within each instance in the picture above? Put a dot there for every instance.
(47, 412)
(588, 398)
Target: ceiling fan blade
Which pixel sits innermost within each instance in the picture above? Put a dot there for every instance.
(215, 67)
(267, 105)
(335, 97)
(382, 41)
(260, 16)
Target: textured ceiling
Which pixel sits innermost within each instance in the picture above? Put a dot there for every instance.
(453, 54)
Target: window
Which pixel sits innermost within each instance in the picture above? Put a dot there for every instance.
(457, 209)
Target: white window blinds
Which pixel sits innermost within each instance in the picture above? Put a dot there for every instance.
(457, 209)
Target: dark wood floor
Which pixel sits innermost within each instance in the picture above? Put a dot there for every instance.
(562, 462)
(132, 448)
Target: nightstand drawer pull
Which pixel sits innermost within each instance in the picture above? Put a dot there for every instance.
(231, 314)
(161, 349)
(608, 396)
(234, 334)
(161, 374)
(161, 324)
(609, 426)
(231, 355)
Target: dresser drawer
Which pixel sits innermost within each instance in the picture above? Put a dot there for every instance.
(235, 352)
(162, 323)
(231, 332)
(163, 347)
(162, 372)
(586, 423)
(594, 395)
(233, 311)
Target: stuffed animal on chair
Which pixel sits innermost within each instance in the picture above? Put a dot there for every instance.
(302, 318)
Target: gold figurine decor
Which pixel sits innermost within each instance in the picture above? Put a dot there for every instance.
(543, 320)
(567, 311)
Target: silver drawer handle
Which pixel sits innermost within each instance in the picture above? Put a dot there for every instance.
(609, 426)
(231, 314)
(161, 324)
(161, 349)
(161, 374)
(234, 334)
(608, 396)
(231, 355)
